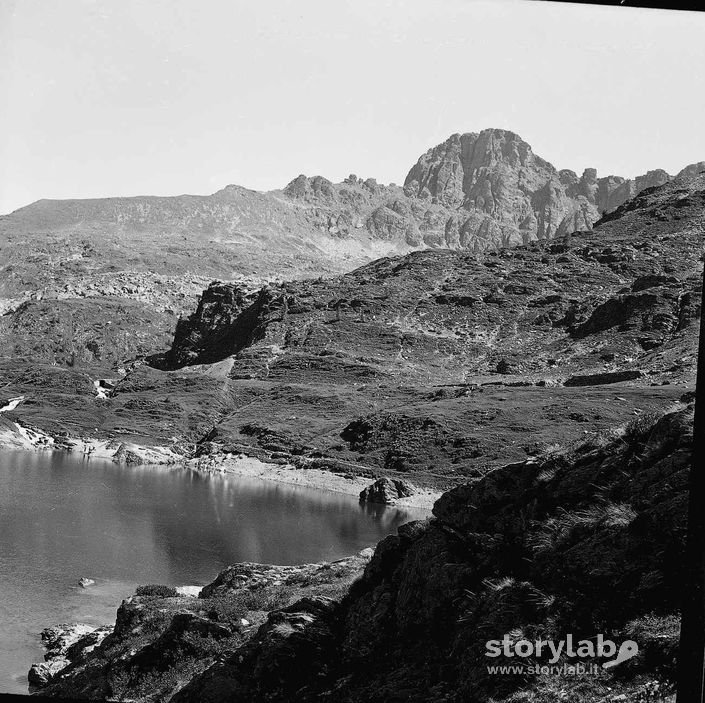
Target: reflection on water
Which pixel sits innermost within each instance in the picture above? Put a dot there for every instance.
(62, 518)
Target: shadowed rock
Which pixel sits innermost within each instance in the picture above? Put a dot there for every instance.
(387, 491)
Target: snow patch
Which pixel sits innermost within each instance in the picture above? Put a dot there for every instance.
(188, 590)
(12, 404)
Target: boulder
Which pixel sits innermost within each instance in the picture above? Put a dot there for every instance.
(386, 491)
(64, 644)
(57, 640)
(41, 673)
(505, 367)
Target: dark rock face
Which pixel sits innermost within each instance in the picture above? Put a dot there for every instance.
(505, 367)
(211, 331)
(598, 379)
(386, 491)
(284, 655)
(64, 645)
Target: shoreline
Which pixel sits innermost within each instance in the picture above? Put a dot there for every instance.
(251, 467)
(16, 437)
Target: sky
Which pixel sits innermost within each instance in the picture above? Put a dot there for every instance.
(162, 97)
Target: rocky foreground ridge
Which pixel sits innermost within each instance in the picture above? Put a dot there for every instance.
(583, 540)
(101, 281)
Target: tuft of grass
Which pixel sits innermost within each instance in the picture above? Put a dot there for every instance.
(598, 440)
(498, 584)
(547, 474)
(154, 590)
(638, 430)
(561, 529)
(284, 629)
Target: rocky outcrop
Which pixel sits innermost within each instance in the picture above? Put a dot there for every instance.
(691, 171)
(163, 640)
(211, 331)
(386, 491)
(514, 194)
(287, 651)
(64, 644)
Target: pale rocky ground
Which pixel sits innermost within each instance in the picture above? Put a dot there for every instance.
(312, 478)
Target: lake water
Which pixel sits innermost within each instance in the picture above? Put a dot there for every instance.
(62, 518)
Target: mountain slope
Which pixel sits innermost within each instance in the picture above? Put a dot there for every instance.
(433, 366)
(67, 266)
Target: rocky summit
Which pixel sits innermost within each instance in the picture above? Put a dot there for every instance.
(503, 193)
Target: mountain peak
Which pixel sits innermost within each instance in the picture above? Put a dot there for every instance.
(511, 192)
